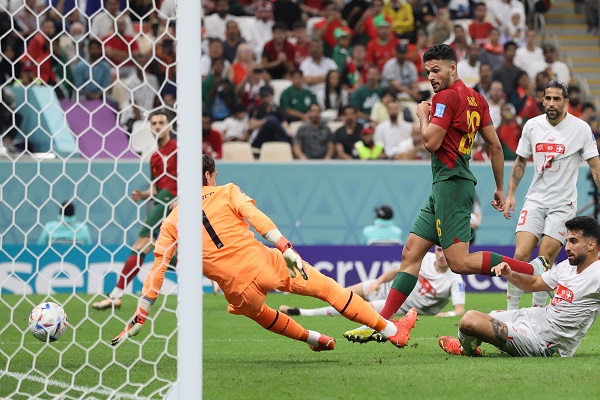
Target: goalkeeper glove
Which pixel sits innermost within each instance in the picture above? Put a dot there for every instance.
(292, 259)
(135, 326)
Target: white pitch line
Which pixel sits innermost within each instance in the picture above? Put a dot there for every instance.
(63, 385)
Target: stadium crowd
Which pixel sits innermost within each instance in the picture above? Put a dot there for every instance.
(334, 79)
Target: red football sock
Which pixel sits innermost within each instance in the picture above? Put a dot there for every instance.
(492, 259)
(394, 298)
(130, 269)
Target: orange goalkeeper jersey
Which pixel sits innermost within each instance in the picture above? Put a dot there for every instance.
(231, 255)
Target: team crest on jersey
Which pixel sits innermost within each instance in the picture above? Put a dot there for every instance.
(426, 287)
(439, 110)
(562, 294)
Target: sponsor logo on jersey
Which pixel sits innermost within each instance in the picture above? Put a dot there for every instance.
(550, 148)
(439, 110)
(563, 293)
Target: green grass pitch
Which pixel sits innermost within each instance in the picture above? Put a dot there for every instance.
(242, 360)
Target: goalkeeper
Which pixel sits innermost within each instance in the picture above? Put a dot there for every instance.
(246, 270)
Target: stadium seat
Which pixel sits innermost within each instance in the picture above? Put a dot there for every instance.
(279, 85)
(276, 151)
(426, 85)
(294, 126)
(142, 140)
(218, 126)
(335, 125)
(237, 151)
(329, 115)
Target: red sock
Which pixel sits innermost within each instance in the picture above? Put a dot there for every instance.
(130, 269)
(394, 298)
(492, 259)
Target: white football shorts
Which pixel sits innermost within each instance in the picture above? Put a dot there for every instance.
(545, 221)
(523, 341)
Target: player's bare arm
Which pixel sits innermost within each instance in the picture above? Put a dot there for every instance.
(522, 281)
(594, 164)
(459, 311)
(488, 133)
(516, 174)
(433, 134)
(383, 278)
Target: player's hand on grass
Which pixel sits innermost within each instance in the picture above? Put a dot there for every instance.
(294, 262)
(502, 269)
(509, 206)
(137, 322)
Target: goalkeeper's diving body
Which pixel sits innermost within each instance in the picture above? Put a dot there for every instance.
(246, 270)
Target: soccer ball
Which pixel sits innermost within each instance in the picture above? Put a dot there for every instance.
(48, 322)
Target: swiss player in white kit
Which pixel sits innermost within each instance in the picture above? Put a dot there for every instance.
(558, 142)
(557, 328)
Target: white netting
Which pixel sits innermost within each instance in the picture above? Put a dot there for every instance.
(77, 89)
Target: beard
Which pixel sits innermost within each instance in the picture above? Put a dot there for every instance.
(577, 259)
(393, 118)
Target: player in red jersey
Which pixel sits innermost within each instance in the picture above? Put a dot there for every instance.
(163, 189)
(449, 125)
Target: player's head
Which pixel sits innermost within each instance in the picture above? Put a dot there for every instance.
(209, 170)
(67, 209)
(160, 123)
(583, 237)
(556, 97)
(440, 257)
(440, 66)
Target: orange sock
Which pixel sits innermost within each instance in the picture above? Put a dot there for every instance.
(280, 324)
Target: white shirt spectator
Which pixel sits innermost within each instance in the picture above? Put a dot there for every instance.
(310, 68)
(560, 69)
(167, 9)
(405, 74)
(467, 73)
(525, 59)
(206, 66)
(235, 129)
(495, 113)
(104, 23)
(215, 25)
(140, 93)
(261, 32)
(502, 11)
(395, 137)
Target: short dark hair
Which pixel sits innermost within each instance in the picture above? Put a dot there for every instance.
(510, 43)
(587, 105)
(208, 165)
(388, 90)
(555, 83)
(481, 3)
(67, 209)
(160, 111)
(94, 42)
(440, 52)
(588, 227)
(348, 107)
(297, 71)
(299, 24)
(279, 26)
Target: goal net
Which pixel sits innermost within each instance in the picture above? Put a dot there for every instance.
(77, 88)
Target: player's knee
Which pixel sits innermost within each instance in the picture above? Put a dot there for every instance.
(468, 322)
(521, 255)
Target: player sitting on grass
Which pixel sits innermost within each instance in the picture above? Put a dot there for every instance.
(436, 286)
(246, 270)
(542, 331)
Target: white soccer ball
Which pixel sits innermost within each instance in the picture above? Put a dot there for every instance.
(48, 322)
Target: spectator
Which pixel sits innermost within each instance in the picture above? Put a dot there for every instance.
(235, 127)
(28, 74)
(104, 23)
(460, 44)
(383, 230)
(215, 51)
(166, 54)
(591, 16)
(119, 48)
(261, 29)
(365, 148)
(493, 51)
(424, 12)
(514, 29)
(216, 23)
(352, 11)
(335, 97)
(167, 10)
(575, 105)
(26, 19)
(267, 121)
(395, 134)
(348, 134)
(242, 64)
(495, 101)
(233, 39)
(556, 69)
(589, 115)
(212, 141)
(468, 69)
(441, 27)
(142, 88)
(354, 73)
(379, 112)
(509, 132)
(480, 29)
(542, 78)
(501, 10)
(401, 75)
(342, 51)
(316, 67)
(64, 13)
(314, 139)
(325, 29)
(366, 25)
(7, 62)
(365, 97)
(62, 70)
(301, 45)
(73, 44)
(218, 93)
(296, 100)
(92, 76)
(248, 89)
(287, 12)
(485, 80)
(382, 49)
(413, 148)
(539, 98)
(14, 139)
(522, 100)
(508, 72)
(93, 6)
(39, 51)
(416, 51)
(401, 13)
(529, 54)
(278, 54)
(66, 229)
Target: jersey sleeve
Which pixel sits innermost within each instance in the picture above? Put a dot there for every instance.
(442, 108)
(245, 206)
(590, 149)
(551, 277)
(524, 146)
(165, 246)
(457, 291)
(486, 117)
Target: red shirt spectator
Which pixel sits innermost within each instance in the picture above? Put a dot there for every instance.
(119, 47)
(480, 32)
(39, 50)
(328, 36)
(382, 49)
(212, 141)
(371, 29)
(271, 53)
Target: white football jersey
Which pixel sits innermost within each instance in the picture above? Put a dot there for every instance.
(557, 152)
(564, 322)
(434, 289)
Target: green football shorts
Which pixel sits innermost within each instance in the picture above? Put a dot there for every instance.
(151, 225)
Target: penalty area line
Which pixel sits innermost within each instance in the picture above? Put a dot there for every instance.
(63, 385)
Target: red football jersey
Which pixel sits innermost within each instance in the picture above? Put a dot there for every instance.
(163, 167)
